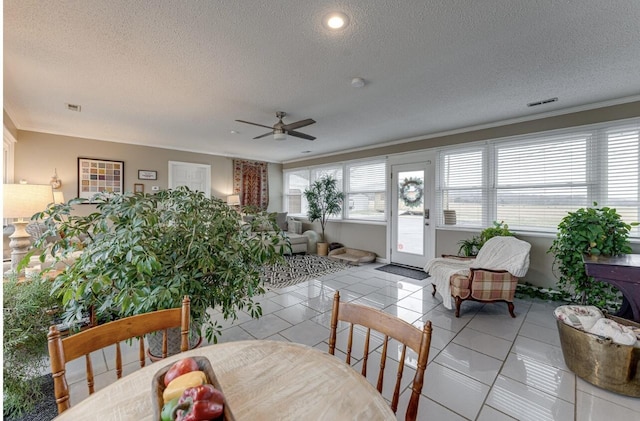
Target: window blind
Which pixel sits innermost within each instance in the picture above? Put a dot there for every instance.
(366, 191)
(531, 182)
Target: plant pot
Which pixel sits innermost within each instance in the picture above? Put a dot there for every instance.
(449, 217)
(154, 340)
(323, 249)
(601, 362)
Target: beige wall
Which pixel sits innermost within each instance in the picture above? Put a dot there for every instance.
(355, 235)
(37, 155)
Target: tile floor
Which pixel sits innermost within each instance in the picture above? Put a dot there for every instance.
(482, 366)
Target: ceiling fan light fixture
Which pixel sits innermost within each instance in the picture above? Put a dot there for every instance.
(279, 136)
(336, 20)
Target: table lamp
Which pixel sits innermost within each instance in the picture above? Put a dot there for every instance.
(233, 200)
(58, 197)
(22, 201)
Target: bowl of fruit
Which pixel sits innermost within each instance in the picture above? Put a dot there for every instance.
(188, 390)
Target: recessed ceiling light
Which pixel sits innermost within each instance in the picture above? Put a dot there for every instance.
(336, 20)
(234, 132)
(357, 82)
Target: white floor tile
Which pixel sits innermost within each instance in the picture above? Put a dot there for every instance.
(454, 390)
(447, 320)
(544, 377)
(308, 333)
(428, 410)
(265, 326)
(526, 403)
(540, 351)
(296, 313)
(594, 408)
(540, 333)
(471, 363)
(503, 327)
(618, 399)
(484, 343)
(489, 414)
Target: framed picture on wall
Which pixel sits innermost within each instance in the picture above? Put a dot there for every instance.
(99, 175)
(138, 188)
(147, 175)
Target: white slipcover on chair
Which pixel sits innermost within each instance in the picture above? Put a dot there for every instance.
(491, 276)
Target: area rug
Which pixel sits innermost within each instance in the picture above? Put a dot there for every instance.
(299, 268)
(407, 272)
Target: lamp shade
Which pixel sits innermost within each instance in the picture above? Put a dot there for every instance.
(23, 200)
(233, 200)
(58, 197)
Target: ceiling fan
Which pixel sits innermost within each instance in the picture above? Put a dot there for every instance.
(281, 130)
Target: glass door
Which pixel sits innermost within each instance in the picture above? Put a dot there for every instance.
(410, 215)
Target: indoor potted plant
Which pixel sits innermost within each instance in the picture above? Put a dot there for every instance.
(324, 200)
(471, 246)
(145, 252)
(590, 231)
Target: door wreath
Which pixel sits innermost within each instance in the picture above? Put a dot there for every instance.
(411, 192)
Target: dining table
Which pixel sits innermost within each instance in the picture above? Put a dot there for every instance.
(260, 380)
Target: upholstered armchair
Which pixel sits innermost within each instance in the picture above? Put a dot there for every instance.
(489, 277)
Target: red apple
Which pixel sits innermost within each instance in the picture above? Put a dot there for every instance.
(183, 366)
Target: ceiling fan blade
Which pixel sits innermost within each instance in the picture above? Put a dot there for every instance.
(298, 124)
(263, 135)
(301, 135)
(255, 124)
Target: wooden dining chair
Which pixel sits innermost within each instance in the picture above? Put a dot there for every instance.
(63, 350)
(393, 328)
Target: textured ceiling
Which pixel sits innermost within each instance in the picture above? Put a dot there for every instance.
(176, 74)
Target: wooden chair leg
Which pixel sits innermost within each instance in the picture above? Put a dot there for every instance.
(433, 294)
(510, 305)
(458, 302)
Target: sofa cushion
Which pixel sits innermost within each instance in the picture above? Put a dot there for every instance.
(293, 226)
(281, 220)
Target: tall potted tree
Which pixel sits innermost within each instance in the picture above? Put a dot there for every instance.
(324, 200)
(145, 252)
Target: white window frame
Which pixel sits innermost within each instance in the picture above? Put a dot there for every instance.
(596, 181)
(313, 174)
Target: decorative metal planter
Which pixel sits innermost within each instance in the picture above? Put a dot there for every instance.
(601, 362)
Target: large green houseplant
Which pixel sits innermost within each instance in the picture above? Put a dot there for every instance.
(590, 231)
(145, 252)
(324, 200)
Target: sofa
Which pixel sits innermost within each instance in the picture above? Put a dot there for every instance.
(292, 229)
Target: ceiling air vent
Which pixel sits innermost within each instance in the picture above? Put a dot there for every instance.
(73, 107)
(544, 101)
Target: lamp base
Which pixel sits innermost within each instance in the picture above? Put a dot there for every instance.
(19, 244)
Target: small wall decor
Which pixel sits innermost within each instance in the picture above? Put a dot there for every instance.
(147, 175)
(99, 175)
(138, 188)
(55, 182)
